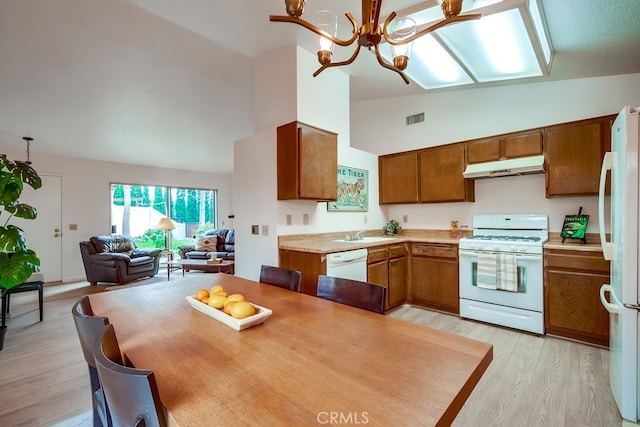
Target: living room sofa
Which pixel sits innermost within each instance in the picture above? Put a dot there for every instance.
(116, 259)
(215, 243)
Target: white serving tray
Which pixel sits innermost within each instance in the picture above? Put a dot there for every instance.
(261, 315)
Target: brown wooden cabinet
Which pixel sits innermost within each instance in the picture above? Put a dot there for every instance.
(434, 276)
(508, 146)
(387, 266)
(441, 177)
(574, 153)
(572, 295)
(310, 264)
(398, 178)
(307, 164)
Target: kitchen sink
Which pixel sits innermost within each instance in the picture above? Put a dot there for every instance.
(367, 239)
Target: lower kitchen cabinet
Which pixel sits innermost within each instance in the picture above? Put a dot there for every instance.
(434, 276)
(310, 264)
(572, 295)
(387, 266)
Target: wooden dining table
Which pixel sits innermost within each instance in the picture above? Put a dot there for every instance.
(312, 362)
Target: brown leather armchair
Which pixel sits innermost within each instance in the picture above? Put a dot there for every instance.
(116, 259)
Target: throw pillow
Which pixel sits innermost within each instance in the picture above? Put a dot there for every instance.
(206, 244)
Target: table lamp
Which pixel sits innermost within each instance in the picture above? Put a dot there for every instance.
(167, 225)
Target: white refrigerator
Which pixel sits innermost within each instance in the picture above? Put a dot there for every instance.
(620, 297)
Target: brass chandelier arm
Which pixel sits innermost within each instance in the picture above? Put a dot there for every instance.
(337, 64)
(382, 62)
(318, 31)
(433, 27)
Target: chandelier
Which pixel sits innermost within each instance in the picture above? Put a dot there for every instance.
(399, 33)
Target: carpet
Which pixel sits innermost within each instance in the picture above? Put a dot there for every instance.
(82, 420)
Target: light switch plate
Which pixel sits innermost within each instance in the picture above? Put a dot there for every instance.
(265, 230)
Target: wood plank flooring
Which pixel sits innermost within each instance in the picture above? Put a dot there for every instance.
(532, 381)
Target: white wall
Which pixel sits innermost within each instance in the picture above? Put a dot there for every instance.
(86, 195)
(379, 127)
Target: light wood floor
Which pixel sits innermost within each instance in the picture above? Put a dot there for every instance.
(532, 381)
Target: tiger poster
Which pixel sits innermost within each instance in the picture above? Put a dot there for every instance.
(353, 191)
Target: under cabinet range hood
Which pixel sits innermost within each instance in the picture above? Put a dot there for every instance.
(519, 166)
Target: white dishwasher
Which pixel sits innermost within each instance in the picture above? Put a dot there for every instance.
(348, 265)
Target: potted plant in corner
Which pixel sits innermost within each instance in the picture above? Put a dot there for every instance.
(392, 228)
(17, 262)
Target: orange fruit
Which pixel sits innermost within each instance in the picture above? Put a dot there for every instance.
(201, 294)
(242, 309)
(223, 293)
(227, 306)
(205, 300)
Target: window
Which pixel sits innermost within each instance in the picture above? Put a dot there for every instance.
(137, 209)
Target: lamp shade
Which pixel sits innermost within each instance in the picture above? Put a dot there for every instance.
(165, 224)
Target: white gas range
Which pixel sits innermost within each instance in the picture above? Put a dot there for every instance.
(501, 271)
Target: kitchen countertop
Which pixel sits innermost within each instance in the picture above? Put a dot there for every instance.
(324, 243)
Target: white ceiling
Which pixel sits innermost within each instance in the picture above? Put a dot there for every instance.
(168, 83)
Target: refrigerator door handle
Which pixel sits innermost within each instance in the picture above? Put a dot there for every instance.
(607, 165)
(611, 308)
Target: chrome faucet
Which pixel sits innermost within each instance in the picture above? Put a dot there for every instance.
(358, 235)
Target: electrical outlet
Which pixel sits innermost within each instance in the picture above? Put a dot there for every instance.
(305, 219)
(405, 218)
(265, 230)
(73, 227)
(365, 218)
(255, 229)
(288, 221)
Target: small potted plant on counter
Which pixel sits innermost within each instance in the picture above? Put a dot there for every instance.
(392, 228)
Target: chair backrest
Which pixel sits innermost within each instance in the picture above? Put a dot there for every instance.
(355, 293)
(281, 277)
(88, 327)
(132, 394)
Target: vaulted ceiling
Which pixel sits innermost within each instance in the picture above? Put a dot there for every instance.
(166, 83)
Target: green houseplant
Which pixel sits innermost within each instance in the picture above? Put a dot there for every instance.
(17, 262)
(392, 228)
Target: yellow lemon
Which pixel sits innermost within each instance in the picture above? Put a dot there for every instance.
(236, 297)
(223, 293)
(216, 301)
(242, 309)
(215, 289)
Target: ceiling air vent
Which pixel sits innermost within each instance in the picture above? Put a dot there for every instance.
(416, 118)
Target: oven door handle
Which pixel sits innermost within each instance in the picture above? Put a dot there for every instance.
(518, 256)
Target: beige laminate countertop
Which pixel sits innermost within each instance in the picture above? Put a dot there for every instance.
(325, 243)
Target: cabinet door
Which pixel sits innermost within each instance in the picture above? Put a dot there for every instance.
(434, 282)
(377, 266)
(307, 163)
(522, 145)
(441, 177)
(398, 178)
(573, 308)
(397, 289)
(574, 154)
(484, 150)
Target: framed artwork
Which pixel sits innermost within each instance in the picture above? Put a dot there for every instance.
(353, 191)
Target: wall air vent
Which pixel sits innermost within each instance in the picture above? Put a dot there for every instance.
(416, 118)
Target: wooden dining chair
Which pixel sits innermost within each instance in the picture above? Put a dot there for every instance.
(132, 394)
(281, 277)
(355, 293)
(89, 327)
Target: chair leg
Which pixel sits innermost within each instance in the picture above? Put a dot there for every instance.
(41, 300)
(8, 295)
(4, 309)
(93, 283)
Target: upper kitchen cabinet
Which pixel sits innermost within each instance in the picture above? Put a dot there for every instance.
(398, 178)
(508, 146)
(307, 163)
(441, 177)
(574, 153)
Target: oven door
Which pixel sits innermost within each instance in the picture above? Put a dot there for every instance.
(529, 295)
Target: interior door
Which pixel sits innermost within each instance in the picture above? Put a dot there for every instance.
(43, 234)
